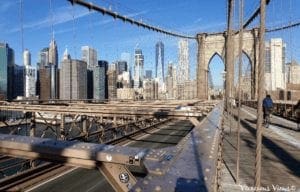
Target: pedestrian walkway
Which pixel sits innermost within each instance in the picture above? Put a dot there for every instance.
(280, 154)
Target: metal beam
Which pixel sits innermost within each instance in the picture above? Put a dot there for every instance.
(118, 176)
(69, 152)
(107, 112)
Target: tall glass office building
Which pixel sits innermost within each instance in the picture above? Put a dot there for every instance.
(6, 71)
(138, 68)
(159, 62)
(99, 79)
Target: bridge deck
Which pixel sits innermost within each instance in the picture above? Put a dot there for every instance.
(280, 154)
(191, 164)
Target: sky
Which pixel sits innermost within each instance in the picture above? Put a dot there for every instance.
(76, 26)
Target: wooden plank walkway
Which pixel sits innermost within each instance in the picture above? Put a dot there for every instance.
(280, 154)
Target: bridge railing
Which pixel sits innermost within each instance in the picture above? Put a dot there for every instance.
(281, 108)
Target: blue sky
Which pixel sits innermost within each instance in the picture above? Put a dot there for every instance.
(112, 37)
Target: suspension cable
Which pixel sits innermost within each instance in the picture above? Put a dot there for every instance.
(74, 33)
(288, 26)
(261, 89)
(239, 89)
(21, 25)
(254, 15)
(52, 19)
(90, 29)
(115, 15)
(290, 31)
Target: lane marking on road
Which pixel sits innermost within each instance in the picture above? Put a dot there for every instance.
(51, 179)
(97, 184)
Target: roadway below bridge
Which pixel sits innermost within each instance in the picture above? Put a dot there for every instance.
(79, 179)
(280, 154)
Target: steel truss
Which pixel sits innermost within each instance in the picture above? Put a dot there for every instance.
(174, 164)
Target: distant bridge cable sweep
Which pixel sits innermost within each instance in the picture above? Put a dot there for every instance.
(254, 15)
(291, 25)
(116, 15)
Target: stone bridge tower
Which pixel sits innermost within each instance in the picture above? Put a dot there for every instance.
(211, 44)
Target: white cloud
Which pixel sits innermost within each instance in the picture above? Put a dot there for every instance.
(60, 16)
(198, 20)
(95, 24)
(199, 28)
(65, 14)
(6, 5)
(137, 13)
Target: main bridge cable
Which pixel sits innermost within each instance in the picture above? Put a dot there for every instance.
(115, 15)
(254, 15)
(284, 27)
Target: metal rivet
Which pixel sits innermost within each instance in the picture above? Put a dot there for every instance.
(145, 182)
(108, 157)
(157, 188)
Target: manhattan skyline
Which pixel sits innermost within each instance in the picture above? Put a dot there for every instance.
(113, 37)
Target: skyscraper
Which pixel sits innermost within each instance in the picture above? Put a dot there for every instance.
(183, 65)
(29, 86)
(53, 63)
(43, 84)
(89, 55)
(275, 64)
(99, 79)
(104, 64)
(19, 81)
(148, 74)
(138, 68)
(7, 62)
(293, 72)
(159, 63)
(73, 77)
(121, 67)
(43, 58)
(112, 82)
(126, 57)
(150, 87)
(171, 82)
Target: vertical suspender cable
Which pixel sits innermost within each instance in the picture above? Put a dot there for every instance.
(231, 66)
(261, 88)
(74, 32)
(21, 25)
(239, 88)
(52, 19)
(90, 27)
(291, 60)
(229, 56)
